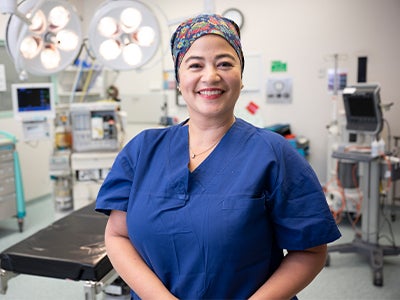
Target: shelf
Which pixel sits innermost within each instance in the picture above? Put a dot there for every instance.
(64, 94)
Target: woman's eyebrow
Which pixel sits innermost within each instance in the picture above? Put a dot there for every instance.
(197, 57)
(224, 55)
(194, 57)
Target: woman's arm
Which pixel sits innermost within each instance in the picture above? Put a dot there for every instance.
(296, 271)
(128, 263)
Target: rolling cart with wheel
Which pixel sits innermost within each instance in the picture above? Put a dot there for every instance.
(367, 243)
(12, 200)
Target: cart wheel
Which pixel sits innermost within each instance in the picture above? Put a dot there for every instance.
(328, 261)
(20, 224)
(393, 217)
(378, 278)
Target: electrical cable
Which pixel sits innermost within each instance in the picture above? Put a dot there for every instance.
(390, 238)
(358, 204)
(88, 80)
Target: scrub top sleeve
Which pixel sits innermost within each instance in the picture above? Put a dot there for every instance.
(298, 206)
(115, 190)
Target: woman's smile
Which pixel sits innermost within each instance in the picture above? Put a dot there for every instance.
(210, 93)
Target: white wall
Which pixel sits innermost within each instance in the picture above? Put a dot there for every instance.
(305, 34)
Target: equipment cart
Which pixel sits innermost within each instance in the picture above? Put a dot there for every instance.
(12, 200)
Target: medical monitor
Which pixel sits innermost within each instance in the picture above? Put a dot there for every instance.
(362, 105)
(33, 101)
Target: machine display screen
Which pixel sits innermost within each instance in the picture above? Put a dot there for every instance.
(33, 99)
(360, 106)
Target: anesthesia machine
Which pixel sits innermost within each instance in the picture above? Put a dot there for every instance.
(364, 172)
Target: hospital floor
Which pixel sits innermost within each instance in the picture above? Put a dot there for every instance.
(349, 276)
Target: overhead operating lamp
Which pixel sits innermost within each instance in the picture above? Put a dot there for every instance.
(42, 37)
(124, 34)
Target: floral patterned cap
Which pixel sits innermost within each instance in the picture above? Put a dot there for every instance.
(196, 27)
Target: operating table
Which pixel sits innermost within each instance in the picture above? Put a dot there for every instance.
(71, 248)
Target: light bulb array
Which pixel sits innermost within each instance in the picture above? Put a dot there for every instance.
(51, 39)
(44, 37)
(124, 34)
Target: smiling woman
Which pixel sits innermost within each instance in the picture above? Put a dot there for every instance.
(200, 188)
(210, 83)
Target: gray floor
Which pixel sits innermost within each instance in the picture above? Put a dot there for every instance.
(348, 277)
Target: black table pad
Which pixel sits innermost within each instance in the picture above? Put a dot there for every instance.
(70, 248)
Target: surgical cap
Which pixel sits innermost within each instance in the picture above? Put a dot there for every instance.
(194, 28)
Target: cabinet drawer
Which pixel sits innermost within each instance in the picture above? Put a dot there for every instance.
(8, 206)
(6, 156)
(7, 186)
(6, 170)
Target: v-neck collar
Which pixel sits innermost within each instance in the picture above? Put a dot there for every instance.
(213, 166)
(223, 154)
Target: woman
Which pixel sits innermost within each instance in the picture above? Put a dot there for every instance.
(205, 209)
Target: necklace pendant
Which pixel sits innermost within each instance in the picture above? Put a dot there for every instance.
(193, 155)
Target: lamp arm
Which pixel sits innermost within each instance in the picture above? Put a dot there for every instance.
(10, 7)
(22, 17)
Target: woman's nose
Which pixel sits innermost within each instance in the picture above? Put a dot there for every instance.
(211, 74)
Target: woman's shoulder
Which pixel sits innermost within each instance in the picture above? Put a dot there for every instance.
(264, 141)
(263, 134)
(154, 134)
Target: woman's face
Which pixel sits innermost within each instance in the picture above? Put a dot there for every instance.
(210, 77)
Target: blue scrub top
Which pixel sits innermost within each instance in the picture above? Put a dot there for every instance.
(217, 232)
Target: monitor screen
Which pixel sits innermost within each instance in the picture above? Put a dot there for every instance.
(33, 101)
(362, 107)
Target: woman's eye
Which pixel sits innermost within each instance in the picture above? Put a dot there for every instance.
(194, 66)
(225, 64)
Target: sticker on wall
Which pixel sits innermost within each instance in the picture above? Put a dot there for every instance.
(169, 82)
(279, 90)
(278, 66)
(252, 107)
(250, 112)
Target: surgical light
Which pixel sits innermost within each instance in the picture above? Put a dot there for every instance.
(145, 36)
(132, 54)
(50, 57)
(108, 27)
(110, 49)
(67, 40)
(124, 34)
(59, 17)
(130, 19)
(43, 37)
(30, 46)
(38, 22)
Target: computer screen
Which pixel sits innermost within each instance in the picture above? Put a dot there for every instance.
(362, 107)
(33, 101)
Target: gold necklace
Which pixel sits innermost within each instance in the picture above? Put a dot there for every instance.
(194, 155)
